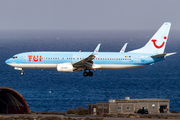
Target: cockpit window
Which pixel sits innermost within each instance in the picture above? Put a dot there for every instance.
(14, 57)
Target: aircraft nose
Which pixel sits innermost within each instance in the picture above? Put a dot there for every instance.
(7, 61)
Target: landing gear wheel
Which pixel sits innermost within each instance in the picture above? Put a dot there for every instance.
(22, 72)
(85, 74)
(90, 74)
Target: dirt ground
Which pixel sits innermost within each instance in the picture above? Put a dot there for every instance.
(78, 117)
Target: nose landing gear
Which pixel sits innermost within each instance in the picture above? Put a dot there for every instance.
(87, 73)
(22, 72)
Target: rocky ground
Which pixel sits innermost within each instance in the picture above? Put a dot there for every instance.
(46, 116)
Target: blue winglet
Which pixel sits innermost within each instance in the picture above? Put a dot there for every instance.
(97, 49)
(123, 48)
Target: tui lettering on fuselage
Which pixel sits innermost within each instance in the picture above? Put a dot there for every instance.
(35, 58)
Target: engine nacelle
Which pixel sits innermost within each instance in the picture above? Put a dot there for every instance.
(66, 67)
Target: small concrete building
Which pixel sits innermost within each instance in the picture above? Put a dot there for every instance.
(130, 106)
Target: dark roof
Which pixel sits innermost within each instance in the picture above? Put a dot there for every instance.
(13, 93)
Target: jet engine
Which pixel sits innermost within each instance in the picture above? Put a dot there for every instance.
(66, 67)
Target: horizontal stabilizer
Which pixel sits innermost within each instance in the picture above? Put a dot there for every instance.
(168, 54)
(159, 55)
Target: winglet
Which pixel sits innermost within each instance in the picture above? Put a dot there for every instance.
(97, 49)
(123, 48)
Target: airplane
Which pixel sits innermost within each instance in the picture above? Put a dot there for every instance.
(149, 54)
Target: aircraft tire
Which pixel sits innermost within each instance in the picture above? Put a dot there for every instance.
(85, 74)
(90, 74)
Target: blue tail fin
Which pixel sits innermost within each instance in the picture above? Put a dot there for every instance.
(157, 43)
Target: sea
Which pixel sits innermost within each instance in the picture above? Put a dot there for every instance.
(48, 90)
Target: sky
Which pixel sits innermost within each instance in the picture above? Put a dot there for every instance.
(88, 14)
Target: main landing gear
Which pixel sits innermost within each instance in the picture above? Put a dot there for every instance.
(87, 73)
(22, 72)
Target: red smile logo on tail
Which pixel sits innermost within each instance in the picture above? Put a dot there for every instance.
(154, 42)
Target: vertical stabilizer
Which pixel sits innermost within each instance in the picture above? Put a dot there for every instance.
(157, 43)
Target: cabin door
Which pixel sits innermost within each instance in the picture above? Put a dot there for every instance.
(25, 58)
(139, 60)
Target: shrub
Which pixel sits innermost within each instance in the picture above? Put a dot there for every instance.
(82, 112)
(79, 111)
(70, 111)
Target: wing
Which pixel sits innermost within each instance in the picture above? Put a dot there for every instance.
(87, 63)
